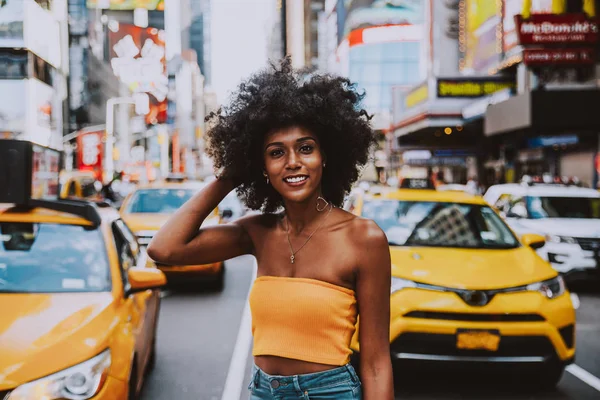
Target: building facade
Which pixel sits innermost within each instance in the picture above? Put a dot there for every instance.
(33, 69)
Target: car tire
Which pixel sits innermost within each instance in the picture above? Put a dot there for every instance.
(152, 359)
(220, 282)
(549, 377)
(132, 385)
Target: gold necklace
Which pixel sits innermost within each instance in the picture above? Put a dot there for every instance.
(287, 231)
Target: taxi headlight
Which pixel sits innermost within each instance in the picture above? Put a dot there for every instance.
(560, 239)
(399, 284)
(550, 288)
(75, 383)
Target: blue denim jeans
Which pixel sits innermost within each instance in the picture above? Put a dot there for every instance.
(340, 383)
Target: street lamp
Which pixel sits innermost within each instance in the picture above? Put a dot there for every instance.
(109, 165)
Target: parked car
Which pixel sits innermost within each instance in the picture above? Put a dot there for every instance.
(567, 216)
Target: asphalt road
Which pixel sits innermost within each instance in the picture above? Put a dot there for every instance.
(203, 354)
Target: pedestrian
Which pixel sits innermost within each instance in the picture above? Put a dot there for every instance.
(293, 146)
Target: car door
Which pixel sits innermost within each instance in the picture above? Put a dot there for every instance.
(144, 305)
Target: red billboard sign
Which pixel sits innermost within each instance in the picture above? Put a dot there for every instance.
(90, 151)
(558, 56)
(556, 29)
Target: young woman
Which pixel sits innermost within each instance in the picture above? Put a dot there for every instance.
(293, 147)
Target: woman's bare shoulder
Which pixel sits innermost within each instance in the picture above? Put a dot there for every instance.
(259, 221)
(365, 232)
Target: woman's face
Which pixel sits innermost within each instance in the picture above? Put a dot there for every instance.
(294, 163)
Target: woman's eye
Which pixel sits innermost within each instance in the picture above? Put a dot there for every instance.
(276, 153)
(306, 148)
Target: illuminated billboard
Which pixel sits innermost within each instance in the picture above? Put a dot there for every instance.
(127, 4)
(366, 13)
(480, 35)
(137, 56)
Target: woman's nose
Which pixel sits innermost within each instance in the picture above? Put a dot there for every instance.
(293, 161)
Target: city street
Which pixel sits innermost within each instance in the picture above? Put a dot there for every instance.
(201, 347)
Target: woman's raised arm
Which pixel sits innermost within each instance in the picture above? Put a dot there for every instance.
(181, 241)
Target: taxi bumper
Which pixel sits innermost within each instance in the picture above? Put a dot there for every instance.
(532, 329)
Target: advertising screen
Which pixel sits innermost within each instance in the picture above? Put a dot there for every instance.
(90, 152)
(137, 56)
(127, 4)
(366, 13)
(479, 35)
(45, 171)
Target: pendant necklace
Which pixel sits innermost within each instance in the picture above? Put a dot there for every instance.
(287, 231)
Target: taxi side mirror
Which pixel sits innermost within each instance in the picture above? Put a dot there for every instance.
(141, 279)
(534, 241)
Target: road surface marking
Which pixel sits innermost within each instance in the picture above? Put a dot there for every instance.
(236, 375)
(584, 376)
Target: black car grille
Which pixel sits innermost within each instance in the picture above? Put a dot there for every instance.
(568, 335)
(445, 345)
(589, 244)
(449, 316)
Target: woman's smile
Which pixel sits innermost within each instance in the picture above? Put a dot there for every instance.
(296, 180)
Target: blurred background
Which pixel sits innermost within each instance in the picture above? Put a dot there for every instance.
(460, 90)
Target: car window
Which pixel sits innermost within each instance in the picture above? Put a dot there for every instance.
(50, 258)
(88, 188)
(439, 224)
(72, 191)
(158, 200)
(563, 207)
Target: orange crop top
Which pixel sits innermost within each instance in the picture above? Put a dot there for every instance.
(303, 319)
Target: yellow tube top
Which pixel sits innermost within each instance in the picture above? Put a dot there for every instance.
(303, 319)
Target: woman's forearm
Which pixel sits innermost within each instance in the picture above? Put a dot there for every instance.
(183, 226)
(377, 381)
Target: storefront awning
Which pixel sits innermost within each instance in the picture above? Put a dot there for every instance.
(545, 111)
(438, 103)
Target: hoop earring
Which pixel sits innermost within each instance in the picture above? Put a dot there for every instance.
(321, 209)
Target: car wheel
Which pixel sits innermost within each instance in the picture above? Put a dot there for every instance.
(220, 282)
(132, 392)
(549, 377)
(152, 359)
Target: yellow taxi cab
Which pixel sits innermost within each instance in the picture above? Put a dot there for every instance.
(148, 207)
(79, 301)
(79, 185)
(465, 290)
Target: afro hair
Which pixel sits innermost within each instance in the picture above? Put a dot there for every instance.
(278, 98)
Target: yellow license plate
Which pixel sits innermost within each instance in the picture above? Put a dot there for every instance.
(478, 340)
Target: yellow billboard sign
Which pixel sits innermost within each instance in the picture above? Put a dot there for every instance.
(417, 96)
(127, 4)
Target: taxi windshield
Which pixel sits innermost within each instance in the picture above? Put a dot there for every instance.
(439, 224)
(158, 200)
(52, 258)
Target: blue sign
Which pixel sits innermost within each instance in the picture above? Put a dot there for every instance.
(549, 141)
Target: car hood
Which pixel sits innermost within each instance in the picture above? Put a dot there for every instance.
(145, 221)
(469, 268)
(577, 227)
(44, 333)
